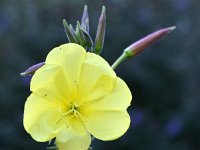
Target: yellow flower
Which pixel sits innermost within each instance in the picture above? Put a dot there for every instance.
(76, 94)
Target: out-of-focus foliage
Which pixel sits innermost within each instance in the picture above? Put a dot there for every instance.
(165, 80)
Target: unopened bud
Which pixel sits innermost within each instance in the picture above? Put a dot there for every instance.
(69, 32)
(89, 41)
(32, 69)
(74, 34)
(100, 35)
(85, 19)
(147, 41)
(80, 34)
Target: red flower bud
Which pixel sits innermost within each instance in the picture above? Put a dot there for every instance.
(147, 41)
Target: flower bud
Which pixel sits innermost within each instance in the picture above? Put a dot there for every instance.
(80, 35)
(147, 41)
(89, 41)
(69, 32)
(100, 35)
(74, 34)
(32, 69)
(85, 19)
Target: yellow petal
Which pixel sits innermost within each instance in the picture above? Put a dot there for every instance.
(73, 137)
(69, 57)
(97, 78)
(119, 99)
(40, 118)
(106, 125)
(49, 82)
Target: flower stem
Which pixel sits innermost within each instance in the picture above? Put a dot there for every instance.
(119, 60)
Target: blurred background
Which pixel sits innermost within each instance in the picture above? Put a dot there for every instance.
(164, 80)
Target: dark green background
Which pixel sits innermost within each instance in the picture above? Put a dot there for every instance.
(164, 80)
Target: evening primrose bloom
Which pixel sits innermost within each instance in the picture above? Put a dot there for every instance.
(76, 94)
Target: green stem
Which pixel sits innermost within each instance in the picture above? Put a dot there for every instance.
(119, 60)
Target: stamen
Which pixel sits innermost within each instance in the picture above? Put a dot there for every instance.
(77, 114)
(73, 112)
(63, 115)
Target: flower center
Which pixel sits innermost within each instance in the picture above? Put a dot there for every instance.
(72, 111)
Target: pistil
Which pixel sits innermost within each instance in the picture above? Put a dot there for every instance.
(72, 112)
